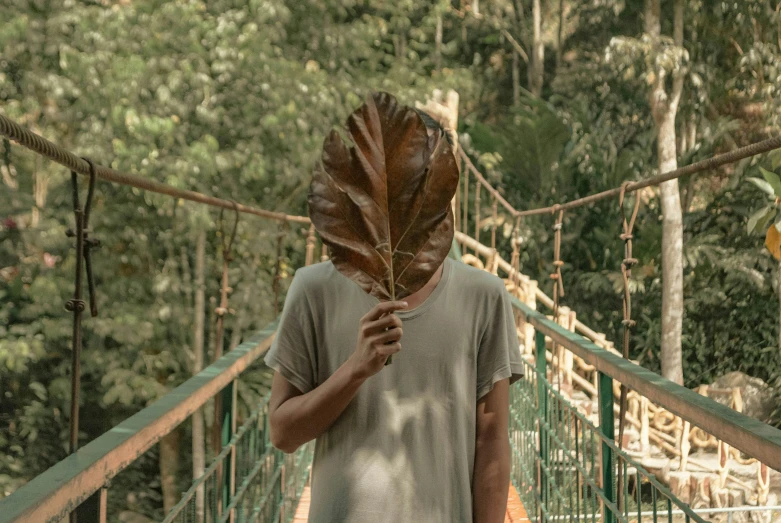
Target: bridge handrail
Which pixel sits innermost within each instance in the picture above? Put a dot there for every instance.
(53, 494)
(744, 433)
(539, 294)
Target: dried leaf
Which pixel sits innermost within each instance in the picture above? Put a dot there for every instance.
(383, 205)
(773, 242)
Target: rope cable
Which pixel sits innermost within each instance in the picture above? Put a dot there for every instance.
(44, 147)
(628, 322)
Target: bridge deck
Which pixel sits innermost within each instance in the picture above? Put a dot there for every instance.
(515, 511)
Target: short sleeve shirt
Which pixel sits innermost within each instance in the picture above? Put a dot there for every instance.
(403, 449)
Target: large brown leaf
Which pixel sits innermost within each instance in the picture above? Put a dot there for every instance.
(383, 204)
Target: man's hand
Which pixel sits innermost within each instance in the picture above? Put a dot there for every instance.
(379, 335)
(296, 418)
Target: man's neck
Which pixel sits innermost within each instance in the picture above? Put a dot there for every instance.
(418, 297)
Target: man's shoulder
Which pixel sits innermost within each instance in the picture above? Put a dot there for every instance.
(476, 282)
(314, 272)
(320, 279)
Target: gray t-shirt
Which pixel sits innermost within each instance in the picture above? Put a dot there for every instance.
(403, 450)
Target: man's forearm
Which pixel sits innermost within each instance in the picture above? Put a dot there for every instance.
(491, 480)
(303, 418)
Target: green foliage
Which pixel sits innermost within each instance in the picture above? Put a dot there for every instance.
(224, 97)
(234, 99)
(600, 95)
(758, 222)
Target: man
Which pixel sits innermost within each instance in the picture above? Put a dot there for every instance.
(424, 439)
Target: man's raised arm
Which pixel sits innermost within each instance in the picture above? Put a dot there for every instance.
(297, 418)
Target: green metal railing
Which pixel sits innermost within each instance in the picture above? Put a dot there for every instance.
(249, 480)
(266, 485)
(565, 467)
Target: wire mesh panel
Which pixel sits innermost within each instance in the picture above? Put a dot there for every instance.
(565, 467)
(266, 483)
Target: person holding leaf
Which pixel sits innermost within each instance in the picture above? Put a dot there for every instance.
(394, 357)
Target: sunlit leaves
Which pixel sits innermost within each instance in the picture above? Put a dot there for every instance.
(773, 180)
(758, 221)
(762, 184)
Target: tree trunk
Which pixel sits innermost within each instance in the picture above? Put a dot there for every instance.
(559, 50)
(519, 52)
(199, 435)
(689, 141)
(538, 51)
(691, 132)
(653, 24)
(438, 44)
(664, 107)
(169, 463)
(672, 255)
(516, 79)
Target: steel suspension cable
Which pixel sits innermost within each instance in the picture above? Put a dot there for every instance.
(44, 147)
(703, 165)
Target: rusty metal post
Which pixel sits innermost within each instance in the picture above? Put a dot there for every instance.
(77, 304)
(530, 298)
(494, 217)
(626, 272)
(278, 266)
(465, 205)
(310, 246)
(558, 290)
(477, 211)
(217, 435)
(457, 200)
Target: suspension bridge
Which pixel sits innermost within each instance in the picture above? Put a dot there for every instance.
(594, 436)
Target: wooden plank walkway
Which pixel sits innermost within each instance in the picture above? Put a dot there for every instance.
(515, 511)
(302, 512)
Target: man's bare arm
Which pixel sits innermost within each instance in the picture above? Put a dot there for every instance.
(491, 480)
(297, 418)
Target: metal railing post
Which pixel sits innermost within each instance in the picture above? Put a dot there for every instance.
(103, 505)
(542, 409)
(228, 430)
(607, 427)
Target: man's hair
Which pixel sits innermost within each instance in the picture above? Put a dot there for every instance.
(431, 123)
